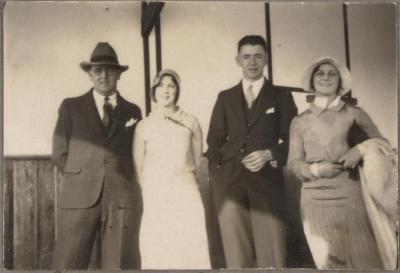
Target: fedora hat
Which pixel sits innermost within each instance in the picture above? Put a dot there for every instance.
(103, 54)
(345, 77)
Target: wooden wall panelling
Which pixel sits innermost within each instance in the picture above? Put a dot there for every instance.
(25, 214)
(8, 214)
(45, 213)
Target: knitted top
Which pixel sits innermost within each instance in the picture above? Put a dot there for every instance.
(320, 134)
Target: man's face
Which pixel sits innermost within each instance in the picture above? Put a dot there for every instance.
(252, 59)
(104, 78)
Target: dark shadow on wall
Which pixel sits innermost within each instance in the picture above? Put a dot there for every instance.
(214, 235)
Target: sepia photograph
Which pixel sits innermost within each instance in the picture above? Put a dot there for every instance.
(200, 135)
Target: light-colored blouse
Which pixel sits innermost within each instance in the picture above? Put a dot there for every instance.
(320, 134)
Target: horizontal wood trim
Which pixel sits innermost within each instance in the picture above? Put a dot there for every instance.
(291, 88)
(27, 157)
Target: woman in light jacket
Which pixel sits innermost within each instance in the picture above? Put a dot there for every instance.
(335, 222)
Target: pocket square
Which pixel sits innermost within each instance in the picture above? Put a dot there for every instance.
(270, 110)
(130, 122)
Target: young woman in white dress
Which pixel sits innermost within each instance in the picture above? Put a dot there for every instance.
(167, 153)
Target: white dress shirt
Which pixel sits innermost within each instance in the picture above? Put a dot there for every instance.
(257, 85)
(99, 101)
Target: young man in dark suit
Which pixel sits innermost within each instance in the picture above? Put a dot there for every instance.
(247, 141)
(92, 148)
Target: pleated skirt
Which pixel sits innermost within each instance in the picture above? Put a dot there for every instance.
(340, 237)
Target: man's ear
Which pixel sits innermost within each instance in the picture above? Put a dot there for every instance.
(238, 60)
(266, 59)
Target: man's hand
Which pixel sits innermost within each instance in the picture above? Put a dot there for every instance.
(327, 169)
(351, 158)
(257, 159)
(273, 163)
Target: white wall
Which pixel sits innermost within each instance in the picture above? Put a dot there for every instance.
(373, 64)
(302, 33)
(199, 41)
(44, 42)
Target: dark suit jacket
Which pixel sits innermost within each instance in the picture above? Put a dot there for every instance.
(87, 156)
(232, 136)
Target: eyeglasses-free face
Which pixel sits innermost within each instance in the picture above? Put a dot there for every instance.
(252, 59)
(165, 92)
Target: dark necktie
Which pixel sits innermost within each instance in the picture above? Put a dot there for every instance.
(107, 114)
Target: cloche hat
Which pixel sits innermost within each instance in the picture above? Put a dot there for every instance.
(345, 77)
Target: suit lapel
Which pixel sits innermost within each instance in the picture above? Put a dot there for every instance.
(120, 114)
(263, 102)
(91, 114)
(237, 102)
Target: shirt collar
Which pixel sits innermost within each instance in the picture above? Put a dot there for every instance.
(319, 105)
(257, 85)
(99, 99)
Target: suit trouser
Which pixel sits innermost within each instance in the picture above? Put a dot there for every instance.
(118, 233)
(253, 235)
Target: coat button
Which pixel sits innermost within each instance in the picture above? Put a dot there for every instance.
(241, 150)
(218, 166)
(248, 137)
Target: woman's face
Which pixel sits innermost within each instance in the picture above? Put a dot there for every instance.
(326, 80)
(165, 92)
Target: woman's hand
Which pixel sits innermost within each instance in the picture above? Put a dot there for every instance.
(328, 169)
(351, 158)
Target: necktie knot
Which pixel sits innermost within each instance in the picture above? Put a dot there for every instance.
(249, 95)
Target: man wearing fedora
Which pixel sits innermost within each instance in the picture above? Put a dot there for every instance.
(99, 196)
